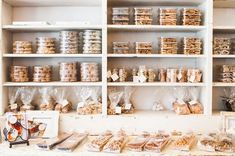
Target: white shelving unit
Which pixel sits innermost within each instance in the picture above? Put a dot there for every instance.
(98, 14)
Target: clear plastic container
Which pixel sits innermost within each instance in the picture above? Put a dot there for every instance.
(22, 47)
(92, 42)
(42, 73)
(19, 74)
(69, 42)
(143, 11)
(68, 71)
(45, 45)
(120, 11)
(143, 45)
(168, 11)
(168, 22)
(143, 22)
(89, 72)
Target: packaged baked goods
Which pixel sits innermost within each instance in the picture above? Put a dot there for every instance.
(69, 42)
(221, 46)
(127, 105)
(121, 47)
(194, 75)
(62, 103)
(207, 143)
(185, 142)
(194, 105)
(46, 100)
(157, 103)
(191, 16)
(171, 75)
(162, 75)
(224, 144)
(90, 100)
(157, 142)
(115, 75)
(13, 94)
(116, 143)
(137, 144)
(114, 99)
(168, 16)
(26, 96)
(192, 45)
(143, 16)
(179, 105)
(45, 45)
(229, 98)
(168, 45)
(68, 71)
(22, 47)
(122, 75)
(109, 74)
(151, 75)
(89, 72)
(42, 73)
(19, 74)
(143, 47)
(92, 42)
(142, 74)
(181, 75)
(120, 16)
(97, 144)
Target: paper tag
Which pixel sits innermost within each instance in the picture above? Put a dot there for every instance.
(128, 106)
(135, 79)
(192, 78)
(193, 102)
(115, 77)
(180, 101)
(80, 104)
(179, 76)
(109, 74)
(142, 79)
(64, 103)
(118, 110)
(13, 106)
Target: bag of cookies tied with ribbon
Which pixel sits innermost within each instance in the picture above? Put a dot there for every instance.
(126, 103)
(113, 103)
(13, 94)
(180, 107)
(194, 105)
(62, 103)
(229, 98)
(26, 96)
(90, 100)
(46, 101)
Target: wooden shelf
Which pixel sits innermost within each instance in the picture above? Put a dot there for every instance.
(32, 3)
(51, 55)
(157, 55)
(224, 4)
(17, 28)
(156, 28)
(151, 84)
(224, 29)
(41, 84)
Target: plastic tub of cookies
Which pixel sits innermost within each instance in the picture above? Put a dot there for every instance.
(92, 42)
(143, 11)
(120, 22)
(168, 22)
(143, 45)
(120, 11)
(168, 39)
(168, 16)
(45, 45)
(192, 22)
(42, 73)
(169, 45)
(22, 47)
(19, 74)
(121, 45)
(120, 18)
(89, 72)
(69, 42)
(168, 11)
(191, 11)
(143, 17)
(143, 22)
(168, 51)
(68, 71)
(192, 51)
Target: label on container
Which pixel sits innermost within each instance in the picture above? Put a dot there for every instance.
(64, 103)
(115, 77)
(128, 106)
(13, 106)
(179, 76)
(192, 78)
(118, 110)
(135, 79)
(80, 104)
(193, 102)
(142, 79)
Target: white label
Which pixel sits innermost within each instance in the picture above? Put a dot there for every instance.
(109, 74)
(180, 101)
(135, 79)
(193, 102)
(118, 110)
(115, 77)
(80, 104)
(128, 106)
(13, 106)
(192, 78)
(179, 76)
(142, 79)
(64, 103)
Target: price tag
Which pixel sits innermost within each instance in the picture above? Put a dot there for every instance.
(115, 77)
(80, 104)
(118, 110)
(128, 106)
(179, 76)
(142, 79)
(193, 102)
(64, 103)
(192, 78)
(13, 106)
(135, 79)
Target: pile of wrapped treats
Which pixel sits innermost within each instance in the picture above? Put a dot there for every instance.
(70, 42)
(143, 74)
(167, 45)
(86, 100)
(227, 73)
(165, 16)
(151, 142)
(222, 46)
(68, 72)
